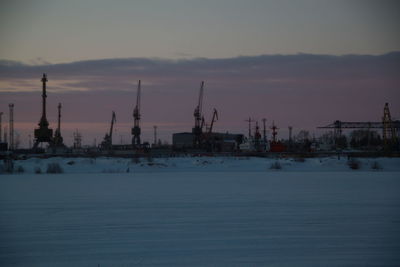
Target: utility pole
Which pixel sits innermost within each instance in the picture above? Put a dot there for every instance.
(155, 135)
(249, 121)
(11, 106)
(1, 114)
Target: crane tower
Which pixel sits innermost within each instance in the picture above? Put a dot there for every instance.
(136, 117)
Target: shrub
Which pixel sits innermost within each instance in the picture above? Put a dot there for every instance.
(276, 166)
(135, 159)
(354, 164)
(38, 170)
(54, 168)
(376, 166)
(299, 159)
(20, 169)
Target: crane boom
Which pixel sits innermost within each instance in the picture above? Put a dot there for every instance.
(113, 120)
(214, 119)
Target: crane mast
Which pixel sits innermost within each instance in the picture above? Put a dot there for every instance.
(58, 140)
(136, 116)
(107, 142)
(198, 119)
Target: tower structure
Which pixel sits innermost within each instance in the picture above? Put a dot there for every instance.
(43, 134)
(58, 140)
(249, 121)
(136, 116)
(198, 119)
(155, 135)
(11, 123)
(389, 132)
(1, 114)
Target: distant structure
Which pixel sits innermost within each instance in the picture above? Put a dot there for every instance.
(249, 121)
(1, 115)
(11, 106)
(389, 131)
(198, 119)
(58, 140)
(43, 134)
(77, 140)
(155, 135)
(136, 116)
(388, 126)
(107, 142)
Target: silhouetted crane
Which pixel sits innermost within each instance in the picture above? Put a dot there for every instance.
(58, 140)
(107, 142)
(198, 119)
(136, 116)
(43, 133)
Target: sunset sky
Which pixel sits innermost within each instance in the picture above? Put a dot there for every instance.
(299, 63)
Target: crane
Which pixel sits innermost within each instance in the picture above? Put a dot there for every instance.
(1, 114)
(136, 116)
(214, 119)
(198, 119)
(58, 140)
(107, 142)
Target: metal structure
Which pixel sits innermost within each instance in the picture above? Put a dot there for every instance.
(58, 140)
(136, 115)
(155, 135)
(389, 127)
(107, 142)
(249, 121)
(11, 126)
(77, 139)
(213, 120)
(389, 131)
(274, 132)
(43, 134)
(1, 114)
(198, 119)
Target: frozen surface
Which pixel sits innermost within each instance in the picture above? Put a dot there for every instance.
(200, 218)
(206, 164)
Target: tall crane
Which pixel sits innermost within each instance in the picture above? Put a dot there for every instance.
(198, 119)
(58, 140)
(389, 132)
(43, 133)
(107, 142)
(213, 119)
(1, 114)
(136, 116)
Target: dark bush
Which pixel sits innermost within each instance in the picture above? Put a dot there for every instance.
(54, 168)
(276, 166)
(38, 170)
(376, 166)
(354, 164)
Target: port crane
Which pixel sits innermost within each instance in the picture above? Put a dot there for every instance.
(58, 140)
(136, 116)
(107, 142)
(198, 119)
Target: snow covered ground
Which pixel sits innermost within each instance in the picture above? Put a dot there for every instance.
(201, 212)
(205, 164)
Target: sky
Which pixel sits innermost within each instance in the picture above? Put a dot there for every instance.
(301, 63)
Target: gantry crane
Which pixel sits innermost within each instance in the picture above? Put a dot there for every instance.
(198, 119)
(107, 142)
(136, 116)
